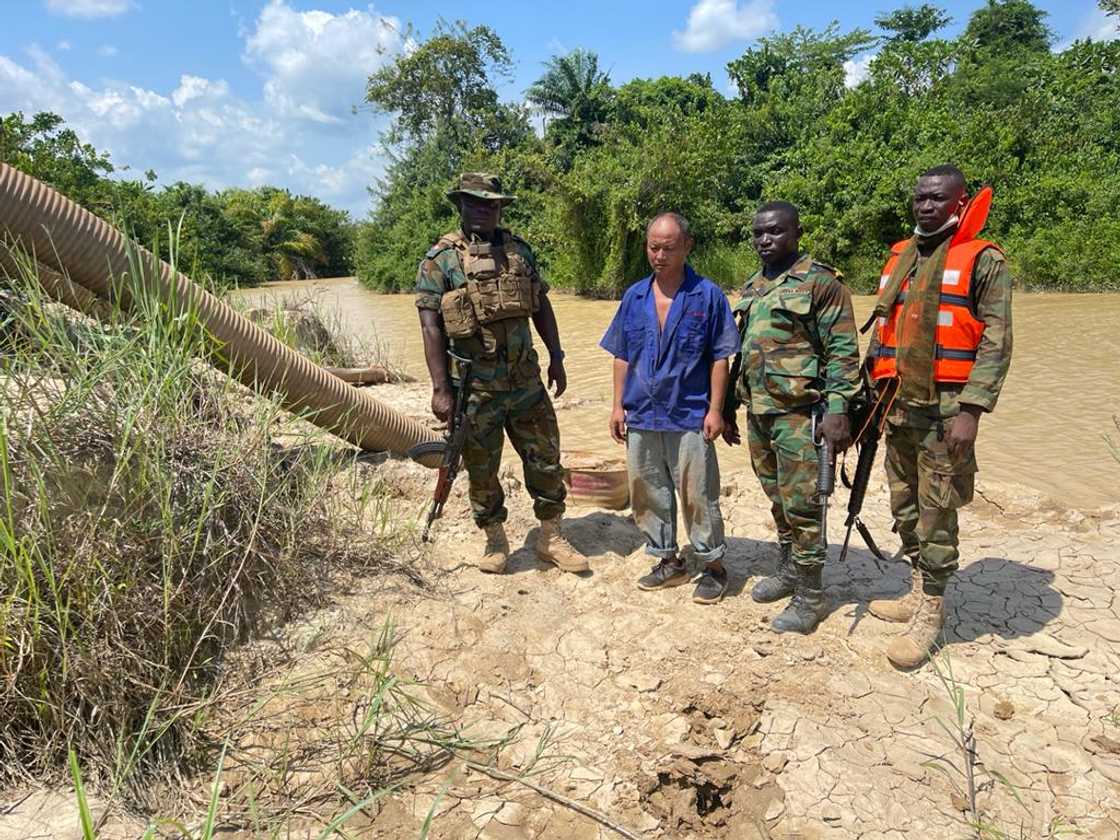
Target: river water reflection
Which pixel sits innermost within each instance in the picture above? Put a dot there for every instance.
(1047, 431)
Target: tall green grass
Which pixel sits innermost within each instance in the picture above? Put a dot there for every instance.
(147, 523)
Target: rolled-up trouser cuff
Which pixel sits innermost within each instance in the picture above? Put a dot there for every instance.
(661, 553)
(712, 555)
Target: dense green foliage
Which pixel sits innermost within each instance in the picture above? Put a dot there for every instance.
(232, 237)
(1041, 127)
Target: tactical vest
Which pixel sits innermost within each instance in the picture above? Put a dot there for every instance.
(958, 329)
(499, 285)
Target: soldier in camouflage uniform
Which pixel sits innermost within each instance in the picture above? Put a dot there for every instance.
(799, 355)
(935, 402)
(476, 289)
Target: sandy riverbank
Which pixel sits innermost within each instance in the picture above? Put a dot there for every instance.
(682, 721)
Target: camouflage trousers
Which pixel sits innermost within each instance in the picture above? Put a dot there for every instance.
(927, 487)
(785, 461)
(526, 416)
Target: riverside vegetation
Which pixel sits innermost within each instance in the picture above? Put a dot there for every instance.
(149, 523)
(1036, 121)
(234, 237)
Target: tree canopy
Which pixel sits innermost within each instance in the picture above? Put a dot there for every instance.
(1039, 126)
(232, 237)
(912, 23)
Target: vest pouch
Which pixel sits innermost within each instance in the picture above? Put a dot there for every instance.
(516, 293)
(486, 298)
(459, 317)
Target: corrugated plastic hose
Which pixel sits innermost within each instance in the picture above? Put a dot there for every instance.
(57, 286)
(90, 252)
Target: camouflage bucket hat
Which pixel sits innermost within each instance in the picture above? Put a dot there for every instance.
(480, 185)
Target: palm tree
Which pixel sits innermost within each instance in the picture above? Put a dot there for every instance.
(572, 86)
(296, 253)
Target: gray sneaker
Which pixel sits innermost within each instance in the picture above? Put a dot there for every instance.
(671, 571)
(711, 586)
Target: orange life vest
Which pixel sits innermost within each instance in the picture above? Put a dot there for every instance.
(958, 329)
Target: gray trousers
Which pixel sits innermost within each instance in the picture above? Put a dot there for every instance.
(662, 465)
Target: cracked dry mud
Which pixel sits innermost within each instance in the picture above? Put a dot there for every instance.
(684, 721)
(680, 720)
(691, 721)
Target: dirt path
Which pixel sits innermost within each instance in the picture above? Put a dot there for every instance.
(684, 721)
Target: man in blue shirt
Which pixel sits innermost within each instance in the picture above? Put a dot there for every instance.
(671, 339)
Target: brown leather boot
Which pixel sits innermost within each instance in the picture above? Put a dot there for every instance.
(900, 609)
(553, 548)
(913, 647)
(496, 553)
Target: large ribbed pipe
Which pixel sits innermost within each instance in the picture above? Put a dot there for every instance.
(58, 287)
(90, 252)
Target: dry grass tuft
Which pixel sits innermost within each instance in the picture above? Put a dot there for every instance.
(147, 523)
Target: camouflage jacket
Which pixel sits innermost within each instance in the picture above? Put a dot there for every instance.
(503, 354)
(991, 301)
(799, 341)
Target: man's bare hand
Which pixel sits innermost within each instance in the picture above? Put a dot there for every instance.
(618, 424)
(731, 434)
(557, 376)
(713, 425)
(837, 430)
(961, 434)
(442, 403)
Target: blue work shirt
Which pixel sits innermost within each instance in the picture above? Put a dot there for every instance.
(667, 384)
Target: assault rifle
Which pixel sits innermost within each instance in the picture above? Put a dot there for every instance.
(450, 448)
(866, 414)
(826, 472)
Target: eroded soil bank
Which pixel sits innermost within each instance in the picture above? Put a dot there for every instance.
(682, 721)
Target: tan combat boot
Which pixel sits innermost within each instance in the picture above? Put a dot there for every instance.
(496, 553)
(553, 548)
(913, 647)
(900, 609)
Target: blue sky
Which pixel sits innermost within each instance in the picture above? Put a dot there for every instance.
(245, 92)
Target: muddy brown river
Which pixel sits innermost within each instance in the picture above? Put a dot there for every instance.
(1048, 431)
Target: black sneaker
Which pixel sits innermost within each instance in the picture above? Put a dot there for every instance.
(711, 586)
(671, 571)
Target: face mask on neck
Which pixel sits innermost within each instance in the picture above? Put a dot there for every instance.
(926, 234)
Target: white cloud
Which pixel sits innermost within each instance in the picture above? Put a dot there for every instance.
(107, 51)
(89, 8)
(856, 70)
(198, 132)
(62, 46)
(196, 87)
(1100, 27)
(316, 63)
(1095, 26)
(713, 24)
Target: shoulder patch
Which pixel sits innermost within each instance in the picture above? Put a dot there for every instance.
(444, 243)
